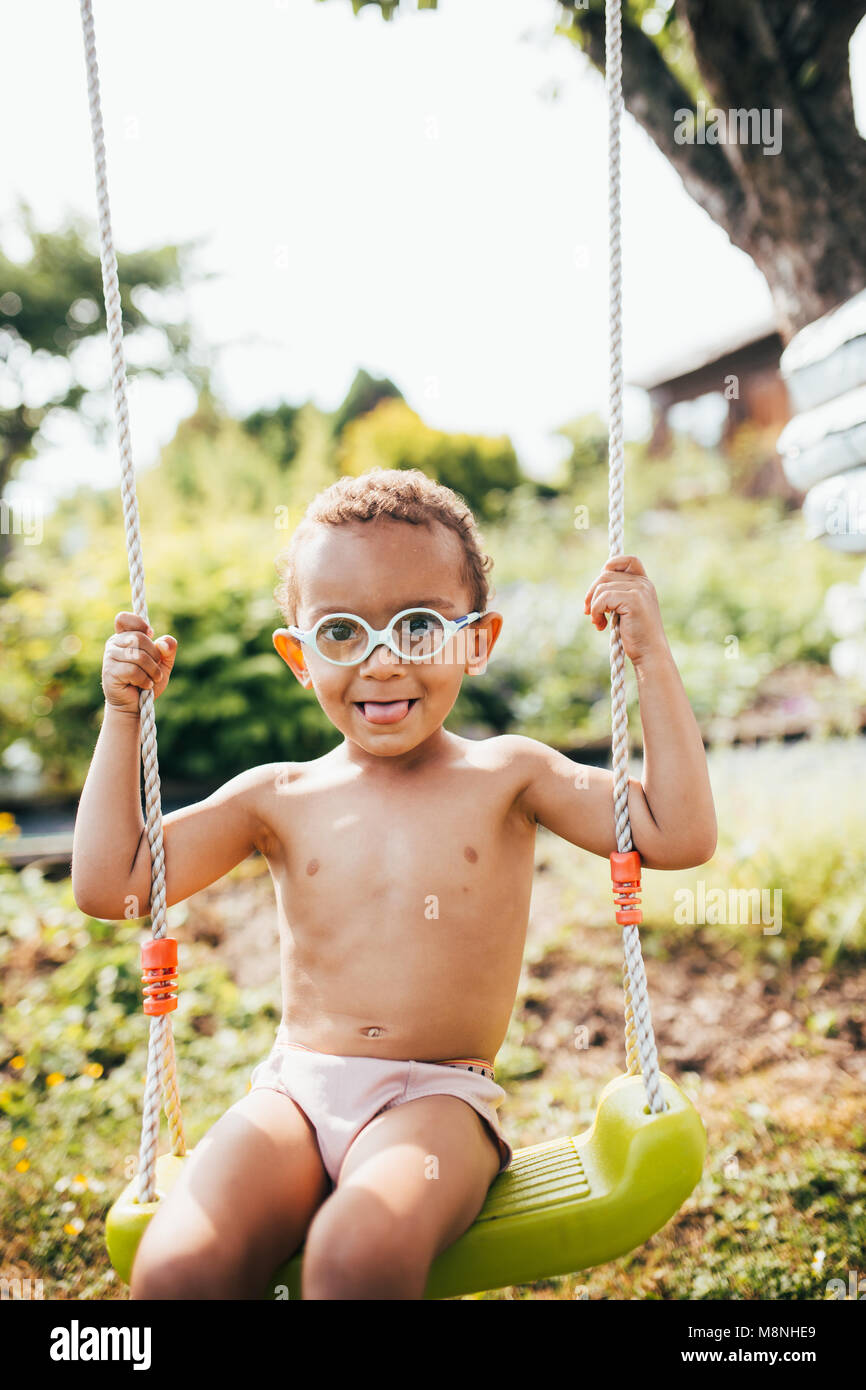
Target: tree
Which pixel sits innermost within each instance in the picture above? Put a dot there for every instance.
(287, 431)
(800, 214)
(588, 459)
(51, 304)
(276, 430)
(481, 469)
(363, 395)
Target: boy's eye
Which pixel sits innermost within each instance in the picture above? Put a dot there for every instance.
(420, 634)
(338, 631)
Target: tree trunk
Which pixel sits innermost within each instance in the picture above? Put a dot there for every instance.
(799, 214)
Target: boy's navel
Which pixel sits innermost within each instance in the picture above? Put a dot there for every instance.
(373, 1032)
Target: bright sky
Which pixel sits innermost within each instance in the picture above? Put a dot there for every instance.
(405, 197)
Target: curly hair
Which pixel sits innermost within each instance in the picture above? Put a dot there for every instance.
(404, 494)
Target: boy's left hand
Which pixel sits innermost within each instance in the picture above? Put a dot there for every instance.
(623, 588)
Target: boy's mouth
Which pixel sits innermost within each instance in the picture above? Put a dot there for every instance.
(384, 711)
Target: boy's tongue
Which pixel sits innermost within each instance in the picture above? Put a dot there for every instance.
(386, 713)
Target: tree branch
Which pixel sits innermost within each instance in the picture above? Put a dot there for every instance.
(793, 59)
(653, 95)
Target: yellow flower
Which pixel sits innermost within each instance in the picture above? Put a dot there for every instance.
(79, 1183)
(19, 1143)
(17, 1063)
(22, 1165)
(54, 1078)
(5, 1097)
(94, 1069)
(74, 1227)
(8, 824)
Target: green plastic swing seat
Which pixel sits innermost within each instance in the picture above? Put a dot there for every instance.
(561, 1206)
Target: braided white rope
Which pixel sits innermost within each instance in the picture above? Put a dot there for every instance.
(639, 1037)
(161, 1073)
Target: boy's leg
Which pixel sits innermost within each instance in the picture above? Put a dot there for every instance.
(241, 1206)
(414, 1180)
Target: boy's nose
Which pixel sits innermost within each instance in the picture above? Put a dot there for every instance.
(381, 655)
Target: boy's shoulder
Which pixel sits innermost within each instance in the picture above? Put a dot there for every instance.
(253, 778)
(511, 747)
(508, 752)
(275, 777)
(251, 791)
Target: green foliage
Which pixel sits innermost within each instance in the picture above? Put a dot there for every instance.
(73, 1052)
(276, 430)
(587, 463)
(791, 821)
(363, 395)
(741, 593)
(221, 505)
(481, 469)
(656, 21)
(280, 429)
(213, 517)
(52, 303)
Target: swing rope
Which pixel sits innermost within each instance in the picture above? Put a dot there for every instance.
(160, 961)
(161, 1069)
(640, 1041)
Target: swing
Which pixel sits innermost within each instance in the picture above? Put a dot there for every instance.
(561, 1206)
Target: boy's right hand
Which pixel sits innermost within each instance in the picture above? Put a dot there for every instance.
(133, 662)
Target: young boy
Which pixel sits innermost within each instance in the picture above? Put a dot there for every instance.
(402, 863)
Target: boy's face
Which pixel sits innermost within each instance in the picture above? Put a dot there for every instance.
(375, 569)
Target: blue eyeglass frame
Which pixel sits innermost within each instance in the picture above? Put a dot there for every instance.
(375, 636)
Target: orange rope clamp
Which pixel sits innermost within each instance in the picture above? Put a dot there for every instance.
(625, 875)
(159, 975)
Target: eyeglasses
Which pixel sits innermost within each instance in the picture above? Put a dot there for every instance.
(345, 639)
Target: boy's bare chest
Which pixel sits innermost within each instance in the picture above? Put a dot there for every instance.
(389, 896)
(456, 835)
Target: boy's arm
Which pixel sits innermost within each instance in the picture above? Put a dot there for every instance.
(673, 820)
(111, 860)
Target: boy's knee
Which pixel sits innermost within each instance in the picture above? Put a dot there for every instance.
(203, 1274)
(344, 1258)
(158, 1280)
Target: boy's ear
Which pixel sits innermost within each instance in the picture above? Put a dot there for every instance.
(480, 640)
(292, 652)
